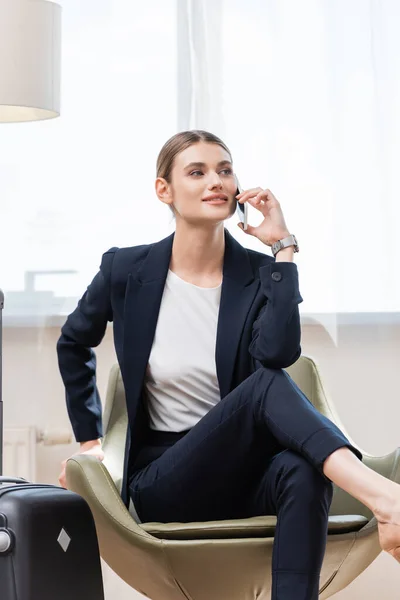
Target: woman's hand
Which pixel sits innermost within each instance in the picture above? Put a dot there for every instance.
(94, 450)
(273, 227)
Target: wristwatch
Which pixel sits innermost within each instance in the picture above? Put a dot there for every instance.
(290, 240)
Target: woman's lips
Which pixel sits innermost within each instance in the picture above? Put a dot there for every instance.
(215, 201)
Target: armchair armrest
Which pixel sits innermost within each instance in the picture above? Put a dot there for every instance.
(387, 465)
(88, 477)
(135, 555)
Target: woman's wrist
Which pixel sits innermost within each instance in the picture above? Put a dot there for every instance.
(285, 255)
(90, 444)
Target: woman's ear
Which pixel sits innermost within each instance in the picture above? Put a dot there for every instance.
(163, 190)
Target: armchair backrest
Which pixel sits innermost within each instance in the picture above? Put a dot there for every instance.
(115, 424)
(305, 374)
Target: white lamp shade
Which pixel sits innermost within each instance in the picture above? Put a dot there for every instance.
(30, 60)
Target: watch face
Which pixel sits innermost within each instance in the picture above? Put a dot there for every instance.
(276, 246)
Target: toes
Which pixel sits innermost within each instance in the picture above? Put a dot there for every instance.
(396, 553)
(389, 538)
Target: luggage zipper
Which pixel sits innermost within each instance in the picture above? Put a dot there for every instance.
(31, 486)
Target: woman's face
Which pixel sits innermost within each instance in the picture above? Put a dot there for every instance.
(200, 172)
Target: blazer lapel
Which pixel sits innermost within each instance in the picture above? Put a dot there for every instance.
(239, 289)
(142, 305)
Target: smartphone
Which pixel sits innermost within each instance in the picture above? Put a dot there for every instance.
(241, 209)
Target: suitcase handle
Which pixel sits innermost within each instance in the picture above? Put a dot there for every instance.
(5, 479)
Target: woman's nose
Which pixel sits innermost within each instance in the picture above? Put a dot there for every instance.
(215, 182)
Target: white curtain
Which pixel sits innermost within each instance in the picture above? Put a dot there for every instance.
(305, 94)
(310, 95)
(200, 70)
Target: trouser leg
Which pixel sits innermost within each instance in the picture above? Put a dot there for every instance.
(293, 420)
(301, 497)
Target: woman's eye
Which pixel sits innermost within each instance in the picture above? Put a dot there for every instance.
(226, 171)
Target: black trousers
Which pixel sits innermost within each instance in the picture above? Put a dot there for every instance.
(260, 451)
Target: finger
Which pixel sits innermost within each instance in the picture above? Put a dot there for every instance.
(264, 201)
(250, 190)
(259, 205)
(250, 229)
(255, 201)
(268, 196)
(260, 202)
(258, 196)
(248, 193)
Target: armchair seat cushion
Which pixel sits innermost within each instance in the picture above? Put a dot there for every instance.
(259, 527)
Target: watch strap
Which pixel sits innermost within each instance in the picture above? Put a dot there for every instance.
(290, 240)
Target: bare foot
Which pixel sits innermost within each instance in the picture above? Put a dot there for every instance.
(389, 538)
(388, 517)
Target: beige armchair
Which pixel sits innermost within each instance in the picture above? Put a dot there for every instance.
(219, 560)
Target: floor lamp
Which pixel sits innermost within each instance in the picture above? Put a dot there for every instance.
(30, 59)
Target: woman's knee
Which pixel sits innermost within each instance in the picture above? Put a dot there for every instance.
(263, 377)
(262, 380)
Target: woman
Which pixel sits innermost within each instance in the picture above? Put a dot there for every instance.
(203, 329)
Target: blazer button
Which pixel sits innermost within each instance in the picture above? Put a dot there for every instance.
(276, 276)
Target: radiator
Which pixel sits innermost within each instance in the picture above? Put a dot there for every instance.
(19, 454)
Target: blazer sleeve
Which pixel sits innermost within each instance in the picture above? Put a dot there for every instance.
(83, 330)
(276, 331)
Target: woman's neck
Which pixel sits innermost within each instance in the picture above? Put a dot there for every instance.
(198, 253)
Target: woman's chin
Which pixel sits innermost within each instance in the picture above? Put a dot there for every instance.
(223, 210)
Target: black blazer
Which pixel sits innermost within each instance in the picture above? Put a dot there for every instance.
(258, 325)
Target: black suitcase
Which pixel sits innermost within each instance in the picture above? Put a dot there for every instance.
(48, 542)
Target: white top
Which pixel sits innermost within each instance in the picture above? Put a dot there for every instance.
(181, 379)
